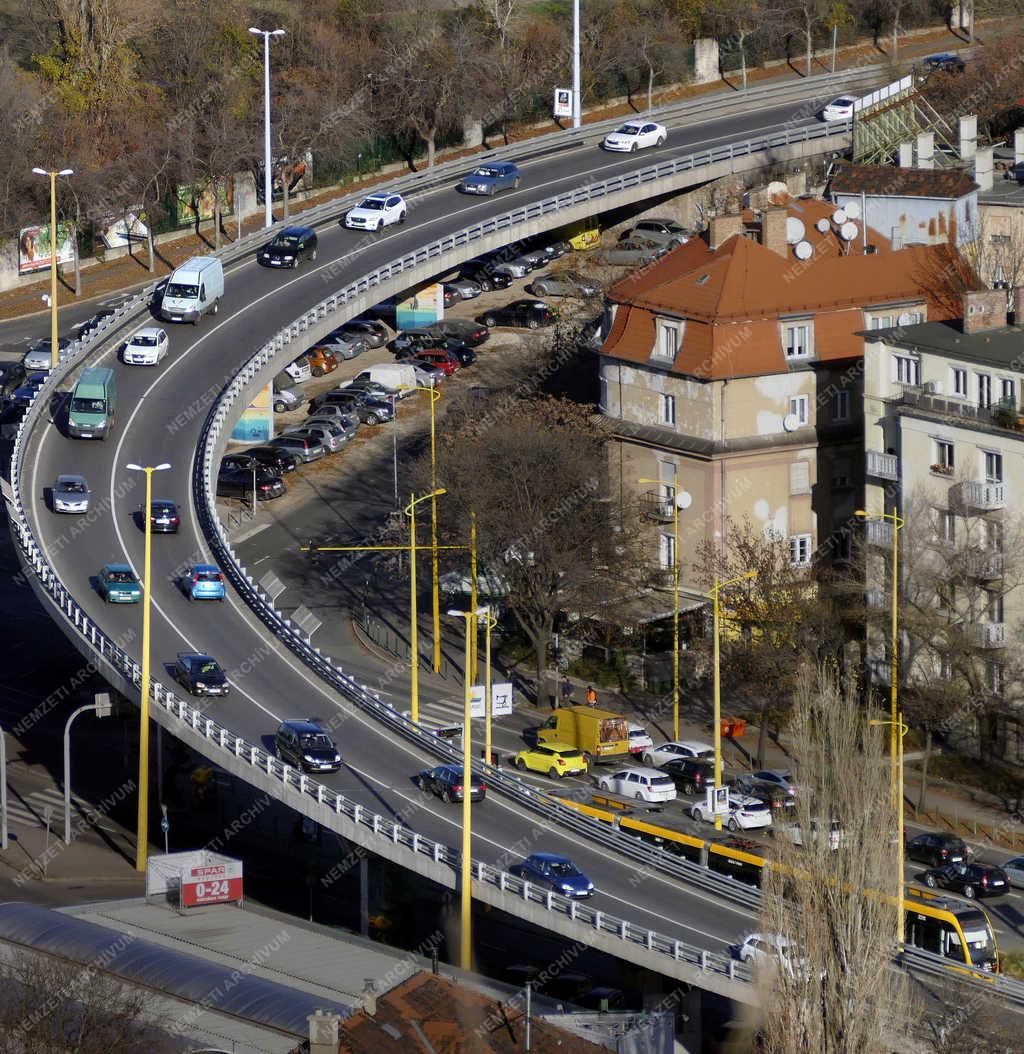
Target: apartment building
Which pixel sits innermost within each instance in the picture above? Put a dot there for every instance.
(944, 439)
(732, 368)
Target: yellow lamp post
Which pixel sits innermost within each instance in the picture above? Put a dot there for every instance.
(718, 587)
(466, 941)
(680, 500)
(414, 664)
(897, 524)
(52, 175)
(899, 730)
(142, 845)
(489, 624)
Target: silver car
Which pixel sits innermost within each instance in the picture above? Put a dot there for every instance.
(71, 494)
(305, 447)
(346, 424)
(465, 287)
(38, 357)
(331, 437)
(520, 267)
(345, 343)
(563, 283)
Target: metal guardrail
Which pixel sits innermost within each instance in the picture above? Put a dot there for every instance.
(1006, 989)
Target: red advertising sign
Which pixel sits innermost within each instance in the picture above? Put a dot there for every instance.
(218, 883)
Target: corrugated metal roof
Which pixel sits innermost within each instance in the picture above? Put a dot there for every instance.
(892, 181)
(232, 991)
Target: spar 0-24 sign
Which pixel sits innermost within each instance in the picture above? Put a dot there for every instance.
(219, 883)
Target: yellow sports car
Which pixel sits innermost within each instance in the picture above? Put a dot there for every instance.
(556, 759)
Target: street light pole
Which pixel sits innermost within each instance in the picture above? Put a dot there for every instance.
(52, 175)
(414, 639)
(577, 106)
(102, 709)
(3, 789)
(490, 624)
(473, 592)
(142, 846)
(267, 181)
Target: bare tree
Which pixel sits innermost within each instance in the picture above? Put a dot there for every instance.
(830, 890)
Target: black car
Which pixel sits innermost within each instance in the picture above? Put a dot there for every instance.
(370, 411)
(289, 247)
(409, 341)
(771, 794)
(447, 783)
(970, 880)
(937, 850)
(200, 674)
(690, 775)
(270, 457)
(12, 375)
(233, 481)
(163, 517)
(483, 273)
(525, 314)
(465, 355)
(948, 62)
(306, 746)
(470, 333)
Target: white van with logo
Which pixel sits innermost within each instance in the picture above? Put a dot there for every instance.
(193, 290)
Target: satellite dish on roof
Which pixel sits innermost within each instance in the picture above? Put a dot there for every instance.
(906, 319)
(823, 225)
(794, 229)
(803, 250)
(839, 217)
(852, 210)
(791, 422)
(848, 231)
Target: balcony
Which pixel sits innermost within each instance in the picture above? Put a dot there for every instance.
(883, 466)
(986, 565)
(1001, 414)
(981, 496)
(878, 532)
(988, 634)
(657, 506)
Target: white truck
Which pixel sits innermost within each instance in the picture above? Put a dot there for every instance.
(193, 290)
(397, 377)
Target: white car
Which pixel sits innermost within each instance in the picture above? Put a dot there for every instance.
(770, 949)
(836, 835)
(644, 784)
(685, 748)
(745, 813)
(146, 348)
(1015, 871)
(840, 109)
(639, 739)
(376, 211)
(635, 135)
(300, 371)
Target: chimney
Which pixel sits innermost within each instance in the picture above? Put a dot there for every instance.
(984, 309)
(723, 228)
(926, 150)
(907, 153)
(370, 999)
(983, 168)
(323, 1032)
(773, 230)
(968, 137)
(1018, 306)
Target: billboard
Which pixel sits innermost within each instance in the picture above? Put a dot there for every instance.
(501, 700)
(124, 228)
(423, 307)
(34, 250)
(563, 102)
(215, 883)
(256, 425)
(583, 235)
(191, 199)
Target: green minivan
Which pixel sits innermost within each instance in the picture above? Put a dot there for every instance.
(93, 401)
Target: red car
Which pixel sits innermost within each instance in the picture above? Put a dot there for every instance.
(439, 357)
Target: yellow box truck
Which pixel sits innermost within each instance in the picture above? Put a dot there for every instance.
(599, 734)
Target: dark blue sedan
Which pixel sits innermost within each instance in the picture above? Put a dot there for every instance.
(556, 871)
(489, 179)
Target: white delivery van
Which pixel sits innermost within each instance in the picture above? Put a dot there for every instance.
(193, 290)
(399, 377)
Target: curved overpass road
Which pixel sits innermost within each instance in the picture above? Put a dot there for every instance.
(160, 414)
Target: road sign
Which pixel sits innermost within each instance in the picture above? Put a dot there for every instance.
(211, 884)
(165, 824)
(501, 699)
(476, 701)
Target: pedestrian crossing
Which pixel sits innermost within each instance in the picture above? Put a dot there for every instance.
(29, 810)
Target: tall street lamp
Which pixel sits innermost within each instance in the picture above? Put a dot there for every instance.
(718, 587)
(577, 104)
(489, 624)
(142, 848)
(899, 730)
(466, 941)
(267, 183)
(414, 640)
(53, 174)
(680, 500)
(897, 524)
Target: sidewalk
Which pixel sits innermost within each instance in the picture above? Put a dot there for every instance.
(128, 273)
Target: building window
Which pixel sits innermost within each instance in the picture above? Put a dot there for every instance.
(666, 344)
(993, 535)
(881, 322)
(906, 370)
(668, 410)
(797, 340)
(996, 609)
(993, 466)
(800, 550)
(911, 318)
(800, 477)
(840, 406)
(945, 526)
(996, 680)
(666, 552)
(1008, 393)
(841, 473)
(800, 408)
(984, 382)
(959, 382)
(603, 405)
(945, 460)
(945, 668)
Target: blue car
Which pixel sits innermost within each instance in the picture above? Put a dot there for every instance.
(489, 179)
(204, 582)
(556, 871)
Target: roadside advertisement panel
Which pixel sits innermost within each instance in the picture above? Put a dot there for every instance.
(218, 883)
(256, 425)
(198, 199)
(35, 247)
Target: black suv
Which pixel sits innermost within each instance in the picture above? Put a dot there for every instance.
(304, 744)
(938, 850)
(233, 481)
(289, 247)
(370, 411)
(949, 62)
(271, 457)
(525, 314)
(690, 775)
(446, 782)
(465, 330)
(200, 674)
(409, 341)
